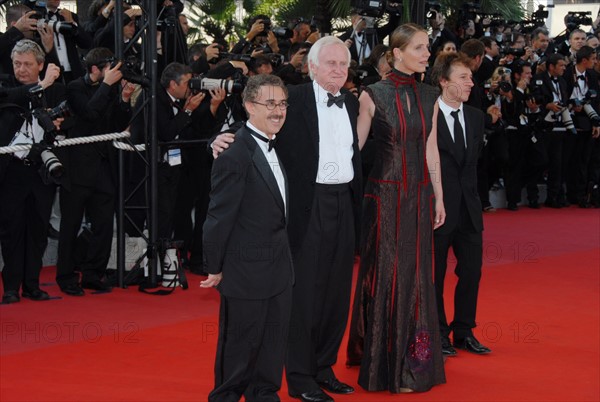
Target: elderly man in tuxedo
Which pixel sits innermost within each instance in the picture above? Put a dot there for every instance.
(318, 147)
(247, 252)
(460, 130)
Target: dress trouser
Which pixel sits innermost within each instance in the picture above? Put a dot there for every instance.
(467, 245)
(321, 296)
(25, 207)
(251, 348)
(97, 202)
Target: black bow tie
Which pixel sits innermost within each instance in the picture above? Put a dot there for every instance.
(268, 141)
(52, 14)
(555, 80)
(338, 100)
(581, 77)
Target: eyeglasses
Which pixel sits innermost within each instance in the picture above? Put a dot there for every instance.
(271, 105)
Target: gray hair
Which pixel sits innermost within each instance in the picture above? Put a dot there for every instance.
(28, 46)
(254, 83)
(315, 50)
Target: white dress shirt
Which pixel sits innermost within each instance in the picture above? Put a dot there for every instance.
(272, 160)
(335, 141)
(446, 110)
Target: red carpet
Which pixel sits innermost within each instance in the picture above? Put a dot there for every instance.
(539, 312)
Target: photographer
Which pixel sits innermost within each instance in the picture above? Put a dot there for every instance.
(89, 188)
(300, 34)
(576, 42)
(582, 84)
(490, 60)
(540, 41)
(521, 112)
(362, 39)
(555, 97)
(439, 33)
(68, 37)
(260, 38)
(23, 24)
(26, 198)
(296, 70)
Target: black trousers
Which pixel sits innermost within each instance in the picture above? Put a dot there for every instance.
(251, 348)
(554, 141)
(25, 207)
(467, 245)
(321, 296)
(578, 166)
(97, 202)
(517, 150)
(168, 180)
(192, 194)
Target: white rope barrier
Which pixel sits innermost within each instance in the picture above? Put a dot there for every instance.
(126, 147)
(70, 141)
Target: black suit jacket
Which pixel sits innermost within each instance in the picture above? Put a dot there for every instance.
(459, 181)
(298, 149)
(245, 234)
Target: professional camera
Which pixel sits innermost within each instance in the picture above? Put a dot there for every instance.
(65, 28)
(132, 68)
(268, 26)
(371, 8)
(246, 58)
(200, 83)
(540, 14)
(283, 33)
(574, 19)
(587, 107)
(167, 18)
(42, 151)
(468, 12)
(514, 51)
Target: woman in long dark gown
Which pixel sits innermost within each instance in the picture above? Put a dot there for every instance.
(394, 332)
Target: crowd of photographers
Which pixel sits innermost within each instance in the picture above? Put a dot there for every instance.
(61, 79)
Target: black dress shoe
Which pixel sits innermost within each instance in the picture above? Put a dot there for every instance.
(335, 386)
(534, 205)
(552, 204)
(10, 296)
(512, 206)
(471, 344)
(36, 294)
(96, 285)
(447, 348)
(313, 396)
(72, 290)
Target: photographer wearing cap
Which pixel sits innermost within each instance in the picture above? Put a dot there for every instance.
(25, 196)
(100, 106)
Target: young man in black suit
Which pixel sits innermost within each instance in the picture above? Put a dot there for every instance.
(318, 148)
(247, 252)
(460, 130)
(554, 91)
(582, 84)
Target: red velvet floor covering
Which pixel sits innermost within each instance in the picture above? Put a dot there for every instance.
(538, 311)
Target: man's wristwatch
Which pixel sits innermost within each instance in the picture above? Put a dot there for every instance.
(188, 112)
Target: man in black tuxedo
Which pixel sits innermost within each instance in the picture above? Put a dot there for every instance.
(582, 83)
(361, 40)
(247, 253)
(554, 91)
(318, 147)
(26, 199)
(464, 224)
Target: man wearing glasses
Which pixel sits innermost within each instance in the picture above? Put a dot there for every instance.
(247, 253)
